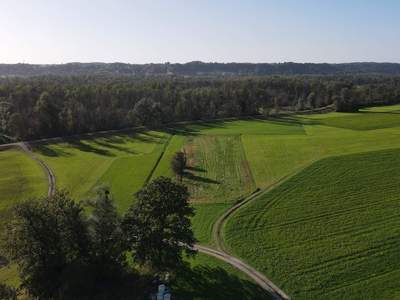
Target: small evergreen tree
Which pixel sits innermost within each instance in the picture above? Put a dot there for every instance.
(107, 244)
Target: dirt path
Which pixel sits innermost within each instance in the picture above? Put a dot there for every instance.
(27, 149)
(259, 278)
(222, 252)
(219, 224)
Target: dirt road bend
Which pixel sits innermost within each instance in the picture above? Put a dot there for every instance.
(259, 278)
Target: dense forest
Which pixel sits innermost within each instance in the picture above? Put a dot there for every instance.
(198, 68)
(45, 106)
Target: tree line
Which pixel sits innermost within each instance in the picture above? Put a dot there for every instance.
(198, 68)
(39, 107)
(62, 252)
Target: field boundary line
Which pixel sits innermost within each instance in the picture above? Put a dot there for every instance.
(165, 146)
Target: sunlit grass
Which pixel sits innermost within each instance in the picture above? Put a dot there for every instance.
(123, 161)
(21, 178)
(330, 232)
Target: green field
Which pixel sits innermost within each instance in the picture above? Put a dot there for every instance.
(272, 158)
(217, 169)
(325, 229)
(122, 161)
(330, 232)
(217, 175)
(20, 178)
(274, 126)
(163, 168)
(206, 214)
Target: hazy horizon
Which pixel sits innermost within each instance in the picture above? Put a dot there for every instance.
(177, 31)
(206, 62)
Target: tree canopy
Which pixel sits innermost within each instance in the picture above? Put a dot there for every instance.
(63, 253)
(47, 239)
(158, 225)
(56, 106)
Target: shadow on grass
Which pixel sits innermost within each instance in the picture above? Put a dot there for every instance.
(281, 120)
(89, 148)
(114, 146)
(196, 169)
(193, 177)
(195, 128)
(182, 130)
(107, 142)
(214, 283)
(45, 150)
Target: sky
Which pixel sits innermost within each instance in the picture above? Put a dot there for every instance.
(158, 31)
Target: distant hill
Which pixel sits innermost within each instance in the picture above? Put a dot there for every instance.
(199, 69)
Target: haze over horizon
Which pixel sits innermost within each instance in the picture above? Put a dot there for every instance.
(256, 31)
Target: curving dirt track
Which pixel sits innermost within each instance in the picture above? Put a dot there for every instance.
(259, 278)
(27, 149)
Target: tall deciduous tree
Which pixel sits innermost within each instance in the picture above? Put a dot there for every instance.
(158, 225)
(51, 106)
(47, 240)
(47, 114)
(147, 112)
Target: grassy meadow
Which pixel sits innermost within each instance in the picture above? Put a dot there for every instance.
(20, 178)
(325, 228)
(217, 169)
(330, 232)
(122, 161)
(273, 158)
(218, 173)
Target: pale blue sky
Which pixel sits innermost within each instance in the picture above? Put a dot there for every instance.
(59, 31)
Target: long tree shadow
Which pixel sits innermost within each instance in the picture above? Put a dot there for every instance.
(114, 147)
(195, 128)
(104, 140)
(214, 283)
(76, 143)
(191, 176)
(182, 130)
(281, 120)
(45, 150)
(196, 169)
